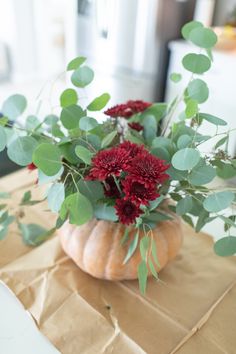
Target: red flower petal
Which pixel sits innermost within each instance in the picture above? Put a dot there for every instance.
(126, 110)
(138, 192)
(31, 166)
(136, 126)
(127, 211)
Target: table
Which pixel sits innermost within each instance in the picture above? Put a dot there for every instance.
(191, 310)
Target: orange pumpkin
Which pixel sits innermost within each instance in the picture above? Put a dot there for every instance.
(96, 247)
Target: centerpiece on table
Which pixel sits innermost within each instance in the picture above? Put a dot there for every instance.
(121, 186)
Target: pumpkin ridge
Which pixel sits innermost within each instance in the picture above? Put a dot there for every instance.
(86, 244)
(111, 251)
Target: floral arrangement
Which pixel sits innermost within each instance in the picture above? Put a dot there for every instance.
(123, 168)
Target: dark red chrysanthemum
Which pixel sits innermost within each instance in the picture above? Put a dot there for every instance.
(148, 169)
(132, 149)
(31, 166)
(110, 188)
(136, 126)
(108, 162)
(127, 211)
(126, 110)
(138, 192)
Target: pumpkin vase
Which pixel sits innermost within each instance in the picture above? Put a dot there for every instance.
(96, 247)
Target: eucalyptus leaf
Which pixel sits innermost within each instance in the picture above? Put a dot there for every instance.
(198, 90)
(56, 196)
(99, 103)
(132, 247)
(108, 139)
(105, 212)
(203, 37)
(189, 27)
(84, 154)
(196, 63)
(218, 201)
(185, 159)
(93, 190)
(184, 141)
(21, 150)
(191, 108)
(47, 157)
(184, 206)
(78, 208)
(68, 97)
(175, 77)
(150, 128)
(221, 142)
(87, 123)
(212, 119)
(82, 76)
(142, 276)
(71, 115)
(75, 63)
(33, 234)
(14, 106)
(3, 139)
(226, 246)
(202, 174)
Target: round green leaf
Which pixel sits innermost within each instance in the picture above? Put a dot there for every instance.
(51, 119)
(99, 103)
(21, 150)
(185, 159)
(108, 139)
(203, 37)
(196, 63)
(184, 206)
(226, 246)
(75, 63)
(198, 90)
(202, 175)
(56, 196)
(218, 201)
(161, 153)
(84, 154)
(94, 140)
(3, 139)
(226, 171)
(175, 77)
(87, 123)
(78, 208)
(184, 141)
(82, 76)
(191, 108)
(33, 234)
(47, 158)
(14, 106)
(188, 27)
(71, 115)
(68, 97)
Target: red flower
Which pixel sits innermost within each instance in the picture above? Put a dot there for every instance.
(126, 110)
(132, 149)
(136, 126)
(127, 211)
(137, 192)
(108, 162)
(148, 169)
(31, 166)
(111, 190)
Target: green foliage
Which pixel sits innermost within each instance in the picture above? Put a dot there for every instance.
(75, 63)
(212, 119)
(191, 108)
(3, 139)
(14, 106)
(226, 246)
(105, 212)
(68, 97)
(202, 174)
(107, 140)
(216, 202)
(47, 157)
(142, 276)
(132, 247)
(71, 115)
(196, 63)
(56, 196)
(87, 123)
(77, 208)
(198, 90)
(33, 234)
(184, 206)
(99, 103)
(82, 76)
(21, 150)
(175, 77)
(203, 37)
(150, 128)
(185, 159)
(84, 154)
(188, 27)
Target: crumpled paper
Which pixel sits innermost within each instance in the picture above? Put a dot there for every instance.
(191, 310)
